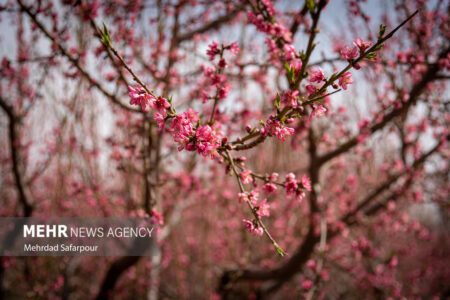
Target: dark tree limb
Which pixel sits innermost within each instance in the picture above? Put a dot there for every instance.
(294, 264)
(209, 26)
(13, 131)
(112, 275)
(414, 94)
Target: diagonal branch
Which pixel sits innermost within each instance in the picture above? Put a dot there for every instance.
(292, 266)
(416, 91)
(74, 60)
(209, 26)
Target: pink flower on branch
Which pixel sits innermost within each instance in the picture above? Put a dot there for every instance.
(213, 50)
(316, 75)
(349, 53)
(295, 188)
(307, 285)
(273, 177)
(249, 196)
(234, 48)
(140, 97)
(290, 185)
(306, 183)
(290, 98)
(242, 197)
(161, 104)
(311, 89)
(275, 128)
(318, 111)
(345, 79)
(159, 119)
(361, 44)
(208, 140)
(297, 66)
(246, 176)
(252, 227)
(289, 52)
(182, 128)
(262, 210)
(269, 188)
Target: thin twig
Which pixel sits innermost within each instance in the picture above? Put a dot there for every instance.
(252, 208)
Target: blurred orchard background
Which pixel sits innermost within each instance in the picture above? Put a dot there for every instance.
(352, 185)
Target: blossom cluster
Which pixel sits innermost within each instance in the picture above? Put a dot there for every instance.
(160, 104)
(185, 129)
(275, 128)
(296, 187)
(352, 53)
(217, 80)
(261, 209)
(253, 227)
(204, 139)
(215, 76)
(275, 29)
(270, 186)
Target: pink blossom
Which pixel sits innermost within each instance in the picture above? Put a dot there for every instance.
(258, 231)
(269, 7)
(242, 197)
(289, 52)
(205, 97)
(297, 66)
(213, 50)
(316, 75)
(299, 195)
(345, 79)
(290, 184)
(292, 188)
(290, 98)
(263, 209)
(161, 104)
(290, 177)
(222, 92)
(182, 128)
(234, 48)
(253, 197)
(250, 226)
(157, 217)
(311, 89)
(207, 140)
(318, 111)
(394, 262)
(276, 29)
(361, 44)
(307, 284)
(273, 177)
(311, 264)
(364, 123)
(222, 63)
(159, 119)
(324, 274)
(349, 53)
(246, 176)
(269, 188)
(275, 128)
(306, 183)
(140, 97)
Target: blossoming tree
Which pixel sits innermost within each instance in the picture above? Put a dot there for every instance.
(287, 149)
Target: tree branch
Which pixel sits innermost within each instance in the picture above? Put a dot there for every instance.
(416, 91)
(74, 60)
